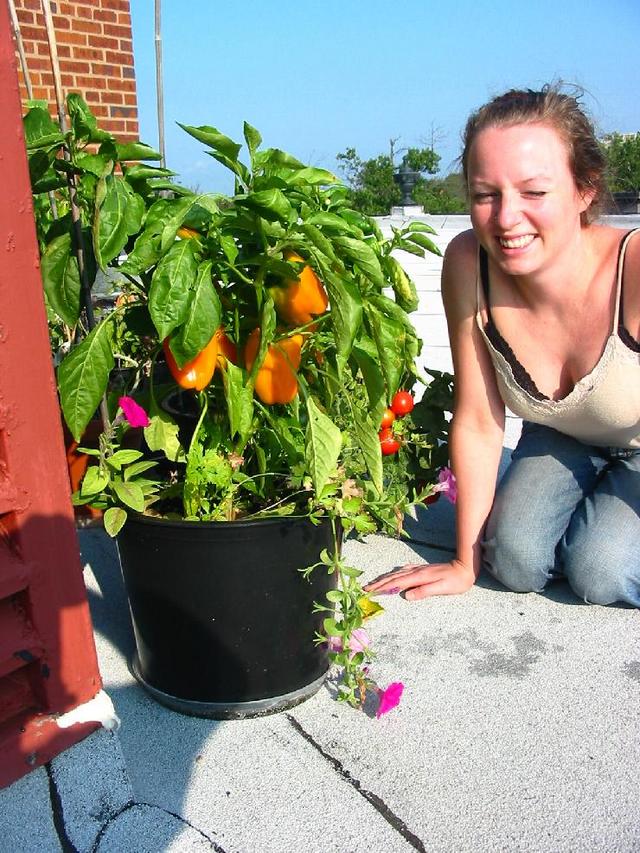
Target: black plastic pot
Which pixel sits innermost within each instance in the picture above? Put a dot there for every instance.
(222, 615)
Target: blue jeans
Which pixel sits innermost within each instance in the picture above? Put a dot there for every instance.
(567, 509)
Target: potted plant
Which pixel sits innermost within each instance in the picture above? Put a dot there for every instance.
(281, 316)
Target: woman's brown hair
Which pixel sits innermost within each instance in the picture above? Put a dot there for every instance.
(553, 107)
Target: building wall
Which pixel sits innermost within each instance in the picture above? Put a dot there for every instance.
(95, 51)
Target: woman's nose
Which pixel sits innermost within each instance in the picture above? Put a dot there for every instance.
(507, 211)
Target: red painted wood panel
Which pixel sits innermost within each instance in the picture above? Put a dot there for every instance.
(47, 655)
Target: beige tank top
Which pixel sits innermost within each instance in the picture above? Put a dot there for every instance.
(603, 408)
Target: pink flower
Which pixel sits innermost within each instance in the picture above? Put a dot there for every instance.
(389, 698)
(358, 641)
(447, 485)
(135, 414)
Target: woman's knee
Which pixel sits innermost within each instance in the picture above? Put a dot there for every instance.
(598, 573)
(516, 561)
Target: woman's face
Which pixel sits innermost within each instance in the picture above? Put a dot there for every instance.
(525, 206)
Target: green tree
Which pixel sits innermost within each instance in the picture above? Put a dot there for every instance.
(442, 195)
(623, 161)
(371, 182)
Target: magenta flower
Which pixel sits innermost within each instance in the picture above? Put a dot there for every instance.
(447, 485)
(334, 644)
(389, 698)
(135, 414)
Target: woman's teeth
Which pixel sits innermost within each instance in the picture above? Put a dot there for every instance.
(516, 242)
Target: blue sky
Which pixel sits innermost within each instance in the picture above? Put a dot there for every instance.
(317, 77)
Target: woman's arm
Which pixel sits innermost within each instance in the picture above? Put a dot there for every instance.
(476, 435)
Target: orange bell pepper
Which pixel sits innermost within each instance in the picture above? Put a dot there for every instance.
(299, 301)
(198, 372)
(276, 380)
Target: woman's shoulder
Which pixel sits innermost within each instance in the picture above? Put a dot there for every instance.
(459, 270)
(460, 257)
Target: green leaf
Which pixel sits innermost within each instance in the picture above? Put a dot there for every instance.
(235, 166)
(366, 356)
(389, 337)
(40, 131)
(162, 435)
(421, 226)
(141, 172)
(110, 222)
(83, 121)
(275, 157)
(403, 287)
(98, 164)
(83, 376)
(363, 255)
(130, 494)
(93, 482)
(323, 445)
(229, 248)
(203, 318)
(178, 213)
(269, 203)
(171, 285)
(322, 243)
(346, 311)
(61, 279)
(331, 222)
(123, 457)
(367, 435)
(310, 175)
(406, 246)
(114, 519)
(252, 138)
(212, 137)
(138, 468)
(239, 399)
(425, 243)
(134, 213)
(136, 151)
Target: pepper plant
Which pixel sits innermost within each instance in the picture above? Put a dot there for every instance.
(279, 318)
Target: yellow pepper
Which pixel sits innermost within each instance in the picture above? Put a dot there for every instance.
(276, 380)
(299, 301)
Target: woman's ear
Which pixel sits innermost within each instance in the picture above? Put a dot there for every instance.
(586, 196)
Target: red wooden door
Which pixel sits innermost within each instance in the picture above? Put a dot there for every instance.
(47, 655)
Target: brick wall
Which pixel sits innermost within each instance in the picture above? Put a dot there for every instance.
(95, 50)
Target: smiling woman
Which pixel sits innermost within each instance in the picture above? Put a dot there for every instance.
(543, 307)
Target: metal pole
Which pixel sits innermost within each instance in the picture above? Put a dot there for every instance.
(159, 85)
(19, 44)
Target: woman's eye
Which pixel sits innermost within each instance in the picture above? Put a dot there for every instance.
(535, 193)
(480, 197)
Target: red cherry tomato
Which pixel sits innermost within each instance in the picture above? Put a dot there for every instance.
(388, 417)
(389, 444)
(402, 403)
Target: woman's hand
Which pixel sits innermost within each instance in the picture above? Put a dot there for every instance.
(420, 581)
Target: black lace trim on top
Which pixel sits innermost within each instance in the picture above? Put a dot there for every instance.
(520, 373)
(626, 337)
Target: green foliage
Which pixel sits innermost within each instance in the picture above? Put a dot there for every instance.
(373, 188)
(86, 162)
(446, 195)
(622, 153)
